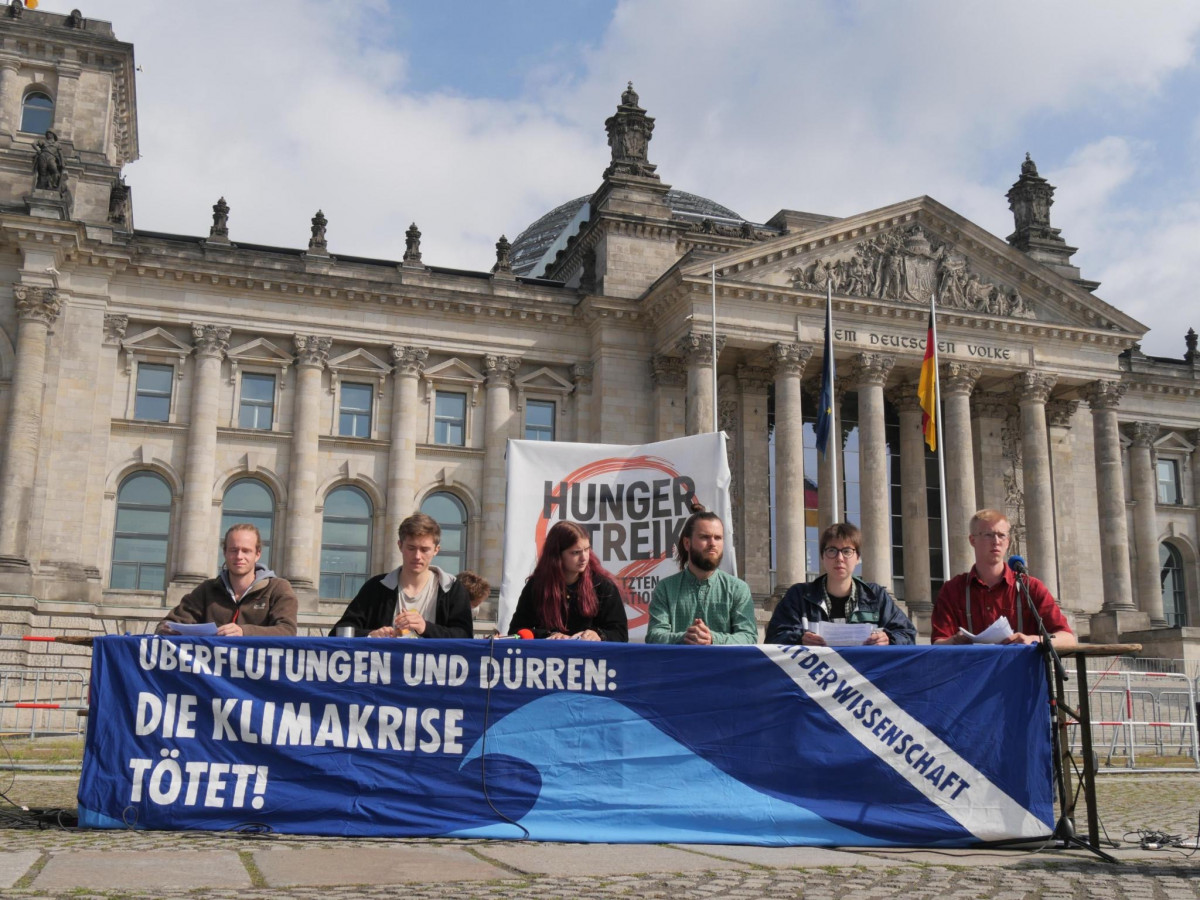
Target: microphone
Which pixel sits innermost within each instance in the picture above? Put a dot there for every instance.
(523, 634)
(1017, 564)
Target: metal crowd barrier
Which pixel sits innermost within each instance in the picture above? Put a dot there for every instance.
(1144, 712)
(41, 703)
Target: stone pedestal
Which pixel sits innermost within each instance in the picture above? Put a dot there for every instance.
(1112, 626)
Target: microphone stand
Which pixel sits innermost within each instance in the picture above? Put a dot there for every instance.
(1064, 829)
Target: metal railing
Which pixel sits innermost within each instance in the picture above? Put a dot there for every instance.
(41, 703)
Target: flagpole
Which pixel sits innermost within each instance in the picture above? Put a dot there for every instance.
(835, 434)
(714, 345)
(941, 459)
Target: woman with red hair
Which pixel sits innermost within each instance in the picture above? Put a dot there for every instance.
(569, 595)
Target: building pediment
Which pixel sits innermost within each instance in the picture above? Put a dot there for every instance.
(906, 253)
(156, 341)
(544, 380)
(260, 351)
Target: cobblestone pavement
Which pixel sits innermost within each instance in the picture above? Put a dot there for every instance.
(44, 861)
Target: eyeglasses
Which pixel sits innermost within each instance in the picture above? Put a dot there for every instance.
(998, 536)
(835, 552)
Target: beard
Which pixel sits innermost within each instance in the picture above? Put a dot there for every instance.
(704, 563)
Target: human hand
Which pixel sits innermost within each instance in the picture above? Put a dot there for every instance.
(233, 629)
(557, 636)
(1019, 638)
(697, 633)
(410, 620)
(877, 637)
(812, 639)
(586, 635)
(385, 631)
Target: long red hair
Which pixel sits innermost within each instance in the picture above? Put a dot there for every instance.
(550, 586)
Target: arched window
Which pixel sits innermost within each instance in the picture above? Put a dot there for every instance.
(448, 511)
(249, 500)
(139, 559)
(1174, 595)
(37, 113)
(345, 542)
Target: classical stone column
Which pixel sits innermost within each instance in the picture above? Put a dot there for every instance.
(10, 95)
(990, 411)
(312, 352)
(1041, 548)
(500, 372)
(789, 361)
(1103, 397)
(1071, 552)
(697, 350)
(870, 371)
(196, 547)
(581, 377)
(957, 381)
(753, 527)
(914, 505)
(669, 376)
(37, 308)
(1144, 484)
(407, 364)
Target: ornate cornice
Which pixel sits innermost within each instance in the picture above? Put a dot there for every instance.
(408, 360)
(668, 371)
(871, 369)
(1033, 387)
(210, 341)
(500, 370)
(1104, 394)
(312, 350)
(958, 378)
(37, 304)
(789, 359)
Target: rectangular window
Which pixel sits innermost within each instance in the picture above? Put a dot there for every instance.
(1168, 481)
(258, 401)
(355, 413)
(152, 402)
(539, 420)
(450, 419)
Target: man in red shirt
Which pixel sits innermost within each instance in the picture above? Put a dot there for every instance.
(976, 599)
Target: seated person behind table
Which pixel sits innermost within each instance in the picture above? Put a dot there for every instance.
(477, 587)
(569, 595)
(701, 604)
(976, 599)
(246, 598)
(417, 598)
(838, 595)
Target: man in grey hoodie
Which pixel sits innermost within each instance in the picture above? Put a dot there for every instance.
(247, 598)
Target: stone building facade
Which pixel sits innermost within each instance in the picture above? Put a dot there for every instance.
(155, 387)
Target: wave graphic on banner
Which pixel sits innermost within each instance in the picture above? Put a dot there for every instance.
(910, 748)
(660, 791)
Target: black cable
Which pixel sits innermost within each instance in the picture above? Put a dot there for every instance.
(487, 710)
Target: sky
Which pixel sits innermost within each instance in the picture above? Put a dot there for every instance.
(474, 117)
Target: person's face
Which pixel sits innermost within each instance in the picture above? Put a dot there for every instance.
(418, 553)
(990, 542)
(839, 566)
(241, 553)
(706, 546)
(575, 560)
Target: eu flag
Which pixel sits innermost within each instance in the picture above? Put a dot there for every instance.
(825, 405)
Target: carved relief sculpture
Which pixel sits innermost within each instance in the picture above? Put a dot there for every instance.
(49, 170)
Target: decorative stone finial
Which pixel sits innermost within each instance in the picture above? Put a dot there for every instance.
(629, 136)
(503, 264)
(75, 19)
(15, 9)
(1190, 338)
(1029, 167)
(220, 223)
(1030, 199)
(317, 242)
(118, 203)
(412, 244)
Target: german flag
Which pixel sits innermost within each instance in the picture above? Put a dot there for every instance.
(927, 386)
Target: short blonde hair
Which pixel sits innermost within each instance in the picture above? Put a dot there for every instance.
(988, 517)
(242, 526)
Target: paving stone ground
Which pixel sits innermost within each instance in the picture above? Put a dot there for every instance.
(53, 862)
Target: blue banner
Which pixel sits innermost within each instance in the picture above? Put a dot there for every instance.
(570, 741)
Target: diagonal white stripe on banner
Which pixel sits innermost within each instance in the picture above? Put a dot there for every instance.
(927, 763)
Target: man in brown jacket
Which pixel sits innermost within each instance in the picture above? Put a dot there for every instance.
(247, 598)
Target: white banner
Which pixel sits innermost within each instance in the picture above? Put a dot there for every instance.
(632, 500)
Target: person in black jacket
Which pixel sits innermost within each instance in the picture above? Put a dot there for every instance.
(416, 600)
(838, 595)
(569, 595)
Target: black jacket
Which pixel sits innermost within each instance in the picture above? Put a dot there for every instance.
(806, 600)
(609, 622)
(374, 606)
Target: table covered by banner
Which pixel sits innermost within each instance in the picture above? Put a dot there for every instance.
(570, 741)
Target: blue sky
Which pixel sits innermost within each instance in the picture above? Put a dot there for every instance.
(473, 118)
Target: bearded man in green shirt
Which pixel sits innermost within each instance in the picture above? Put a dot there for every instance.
(702, 604)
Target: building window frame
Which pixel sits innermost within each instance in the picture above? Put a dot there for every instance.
(349, 583)
(452, 376)
(258, 357)
(357, 368)
(440, 419)
(150, 395)
(1168, 489)
(541, 432)
(449, 559)
(1174, 585)
(38, 90)
(162, 536)
(156, 346)
(255, 405)
(252, 516)
(356, 413)
(542, 386)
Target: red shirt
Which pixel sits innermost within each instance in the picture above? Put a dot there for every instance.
(989, 604)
